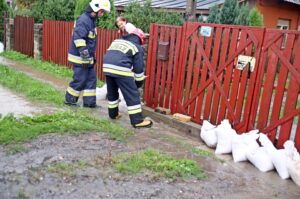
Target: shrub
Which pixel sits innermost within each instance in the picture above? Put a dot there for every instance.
(229, 12)
(53, 9)
(214, 15)
(255, 18)
(143, 15)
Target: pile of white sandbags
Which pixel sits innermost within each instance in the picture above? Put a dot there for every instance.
(245, 147)
(101, 94)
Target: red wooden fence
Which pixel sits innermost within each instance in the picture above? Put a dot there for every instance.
(201, 78)
(158, 86)
(24, 35)
(56, 41)
(276, 103)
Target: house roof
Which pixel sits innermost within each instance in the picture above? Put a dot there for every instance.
(172, 4)
(293, 1)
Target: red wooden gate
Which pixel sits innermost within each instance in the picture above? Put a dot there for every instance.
(202, 76)
(210, 86)
(276, 105)
(24, 35)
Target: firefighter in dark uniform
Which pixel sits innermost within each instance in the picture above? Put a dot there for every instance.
(82, 55)
(123, 66)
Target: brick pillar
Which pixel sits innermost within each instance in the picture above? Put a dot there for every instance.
(38, 41)
(10, 34)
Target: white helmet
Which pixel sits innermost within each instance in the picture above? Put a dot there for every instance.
(97, 5)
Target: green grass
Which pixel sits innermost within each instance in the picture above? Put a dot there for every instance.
(67, 169)
(158, 163)
(13, 130)
(59, 71)
(189, 147)
(53, 69)
(206, 153)
(33, 89)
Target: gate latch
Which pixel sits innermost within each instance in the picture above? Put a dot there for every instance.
(244, 60)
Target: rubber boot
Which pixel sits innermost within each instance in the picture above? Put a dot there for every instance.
(143, 124)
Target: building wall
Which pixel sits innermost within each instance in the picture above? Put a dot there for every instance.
(274, 11)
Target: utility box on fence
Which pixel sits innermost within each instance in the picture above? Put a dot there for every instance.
(163, 50)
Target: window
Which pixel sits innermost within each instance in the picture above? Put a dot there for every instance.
(283, 24)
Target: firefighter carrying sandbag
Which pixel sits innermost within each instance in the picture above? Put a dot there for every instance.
(123, 66)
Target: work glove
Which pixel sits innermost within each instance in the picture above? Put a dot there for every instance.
(85, 55)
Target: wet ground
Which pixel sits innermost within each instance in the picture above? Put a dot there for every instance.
(28, 174)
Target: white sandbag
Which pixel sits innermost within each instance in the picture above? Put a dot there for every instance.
(294, 171)
(224, 135)
(260, 159)
(291, 151)
(208, 134)
(242, 143)
(207, 125)
(293, 161)
(278, 157)
(101, 92)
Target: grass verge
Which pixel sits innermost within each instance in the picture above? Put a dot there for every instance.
(13, 130)
(67, 169)
(194, 150)
(33, 89)
(158, 163)
(59, 71)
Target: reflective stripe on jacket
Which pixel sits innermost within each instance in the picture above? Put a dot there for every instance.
(84, 37)
(124, 57)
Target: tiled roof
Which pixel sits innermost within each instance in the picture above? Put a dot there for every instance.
(173, 4)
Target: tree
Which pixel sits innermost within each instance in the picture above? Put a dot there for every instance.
(143, 15)
(229, 12)
(214, 15)
(53, 9)
(255, 18)
(244, 15)
(106, 21)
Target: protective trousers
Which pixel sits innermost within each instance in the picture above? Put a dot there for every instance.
(131, 95)
(84, 80)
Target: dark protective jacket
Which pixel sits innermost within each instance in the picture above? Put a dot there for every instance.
(124, 57)
(84, 37)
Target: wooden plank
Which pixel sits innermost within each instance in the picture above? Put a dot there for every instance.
(170, 67)
(228, 74)
(291, 99)
(235, 83)
(210, 88)
(195, 82)
(190, 65)
(153, 66)
(224, 51)
(164, 71)
(203, 78)
(268, 89)
(176, 68)
(243, 84)
(148, 66)
(280, 88)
